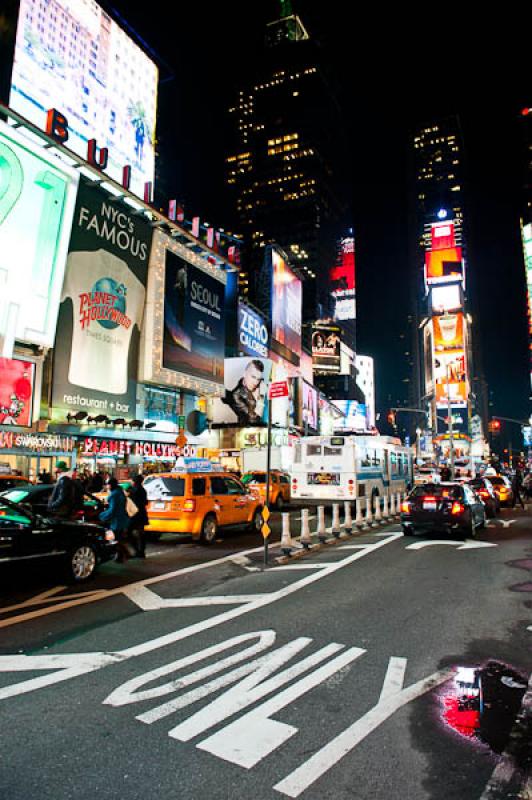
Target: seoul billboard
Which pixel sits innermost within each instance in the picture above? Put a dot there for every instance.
(183, 338)
(342, 281)
(37, 198)
(71, 55)
(102, 307)
(286, 308)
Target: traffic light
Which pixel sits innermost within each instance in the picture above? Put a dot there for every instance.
(391, 418)
(494, 426)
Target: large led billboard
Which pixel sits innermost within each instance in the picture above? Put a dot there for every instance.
(444, 266)
(446, 298)
(37, 197)
(449, 360)
(309, 407)
(355, 415)
(97, 343)
(71, 55)
(16, 391)
(253, 334)
(342, 281)
(286, 307)
(526, 231)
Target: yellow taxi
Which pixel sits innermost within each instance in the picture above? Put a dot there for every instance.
(503, 489)
(199, 498)
(279, 486)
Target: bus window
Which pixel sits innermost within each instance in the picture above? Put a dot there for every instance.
(376, 460)
(313, 449)
(386, 463)
(332, 451)
(297, 453)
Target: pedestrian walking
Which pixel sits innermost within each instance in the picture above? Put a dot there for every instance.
(116, 518)
(137, 493)
(61, 503)
(95, 484)
(516, 489)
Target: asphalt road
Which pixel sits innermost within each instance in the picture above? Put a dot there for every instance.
(199, 674)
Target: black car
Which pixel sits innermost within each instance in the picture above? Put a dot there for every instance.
(486, 492)
(36, 499)
(444, 507)
(77, 546)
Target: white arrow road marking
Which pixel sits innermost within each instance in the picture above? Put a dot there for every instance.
(314, 565)
(326, 758)
(90, 661)
(352, 546)
(150, 601)
(469, 544)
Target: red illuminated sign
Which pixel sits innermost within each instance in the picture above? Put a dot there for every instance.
(16, 390)
(279, 389)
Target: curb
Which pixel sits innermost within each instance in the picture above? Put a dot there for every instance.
(512, 777)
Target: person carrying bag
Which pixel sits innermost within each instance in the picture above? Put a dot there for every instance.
(137, 501)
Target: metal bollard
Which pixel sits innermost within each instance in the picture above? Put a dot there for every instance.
(368, 521)
(336, 520)
(392, 505)
(306, 538)
(378, 512)
(348, 521)
(287, 544)
(386, 511)
(359, 519)
(322, 535)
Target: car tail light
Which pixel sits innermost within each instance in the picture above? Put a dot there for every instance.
(429, 499)
(294, 483)
(109, 536)
(484, 493)
(457, 508)
(351, 483)
(189, 505)
(405, 507)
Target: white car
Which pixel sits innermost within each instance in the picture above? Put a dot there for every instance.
(426, 476)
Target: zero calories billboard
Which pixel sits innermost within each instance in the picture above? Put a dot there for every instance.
(37, 197)
(96, 348)
(183, 343)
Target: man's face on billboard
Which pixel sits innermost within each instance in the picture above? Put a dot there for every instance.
(252, 377)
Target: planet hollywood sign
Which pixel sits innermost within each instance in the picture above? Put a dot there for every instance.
(125, 447)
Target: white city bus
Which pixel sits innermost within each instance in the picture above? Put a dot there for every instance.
(349, 467)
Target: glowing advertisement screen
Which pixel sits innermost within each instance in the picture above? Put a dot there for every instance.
(342, 281)
(355, 415)
(446, 298)
(325, 348)
(444, 266)
(37, 196)
(71, 55)
(245, 402)
(308, 396)
(449, 360)
(286, 307)
(102, 309)
(16, 391)
(527, 249)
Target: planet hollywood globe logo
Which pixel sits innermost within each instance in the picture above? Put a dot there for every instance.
(104, 304)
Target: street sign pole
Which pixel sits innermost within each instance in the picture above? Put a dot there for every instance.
(268, 470)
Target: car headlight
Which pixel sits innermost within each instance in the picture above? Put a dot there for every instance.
(109, 536)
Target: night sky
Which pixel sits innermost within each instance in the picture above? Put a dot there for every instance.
(393, 71)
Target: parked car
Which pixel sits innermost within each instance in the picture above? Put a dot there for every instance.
(12, 482)
(503, 489)
(279, 486)
(426, 475)
(486, 492)
(200, 503)
(444, 507)
(77, 546)
(36, 498)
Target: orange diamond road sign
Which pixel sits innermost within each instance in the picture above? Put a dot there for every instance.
(181, 440)
(266, 530)
(266, 514)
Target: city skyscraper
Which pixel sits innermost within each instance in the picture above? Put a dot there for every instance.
(444, 379)
(282, 165)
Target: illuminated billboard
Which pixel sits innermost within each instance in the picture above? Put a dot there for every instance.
(308, 398)
(342, 281)
(183, 336)
(71, 55)
(325, 348)
(449, 360)
(253, 334)
(446, 298)
(37, 197)
(244, 403)
(102, 307)
(526, 231)
(16, 391)
(355, 415)
(286, 308)
(444, 266)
